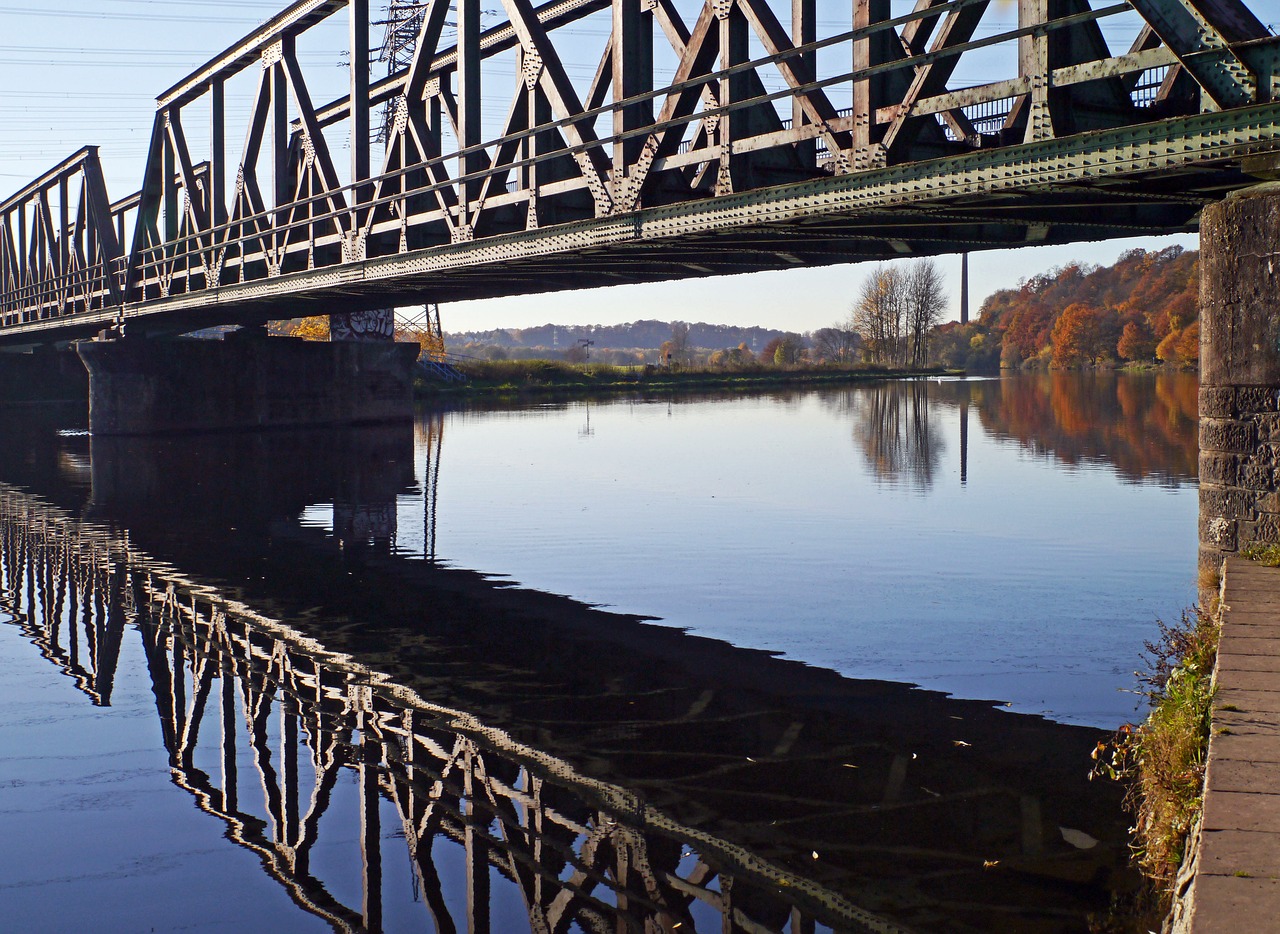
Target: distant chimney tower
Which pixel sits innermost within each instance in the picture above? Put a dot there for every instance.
(964, 288)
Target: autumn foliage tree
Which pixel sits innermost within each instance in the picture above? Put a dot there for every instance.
(1144, 307)
(1076, 336)
(1136, 342)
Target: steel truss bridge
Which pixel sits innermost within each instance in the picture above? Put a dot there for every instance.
(711, 137)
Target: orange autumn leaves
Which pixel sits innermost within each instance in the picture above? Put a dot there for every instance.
(1144, 308)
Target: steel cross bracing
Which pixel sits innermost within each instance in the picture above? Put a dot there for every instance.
(712, 137)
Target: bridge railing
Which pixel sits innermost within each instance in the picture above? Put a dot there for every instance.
(60, 252)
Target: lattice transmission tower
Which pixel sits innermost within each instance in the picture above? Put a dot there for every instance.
(399, 40)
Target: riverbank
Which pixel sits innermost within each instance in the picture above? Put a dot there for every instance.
(518, 378)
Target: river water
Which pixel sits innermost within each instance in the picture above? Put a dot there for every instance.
(796, 661)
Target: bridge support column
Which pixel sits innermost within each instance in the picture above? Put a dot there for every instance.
(139, 386)
(1239, 373)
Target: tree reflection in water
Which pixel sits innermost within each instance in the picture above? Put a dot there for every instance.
(893, 427)
(1143, 425)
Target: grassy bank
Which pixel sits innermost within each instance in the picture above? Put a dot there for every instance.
(1163, 760)
(535, 377)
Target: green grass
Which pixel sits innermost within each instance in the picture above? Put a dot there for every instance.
(1163, 760)
(1268, 555)
(533, 377)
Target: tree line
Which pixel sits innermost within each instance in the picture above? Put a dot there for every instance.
(1144, 308)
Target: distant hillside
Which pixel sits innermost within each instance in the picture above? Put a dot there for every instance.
(635, 335)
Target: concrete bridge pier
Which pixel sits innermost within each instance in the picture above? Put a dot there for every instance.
(141, 386)
(1239, 373)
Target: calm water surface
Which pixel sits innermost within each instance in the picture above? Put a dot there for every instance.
(1023, 559)
(589, 666)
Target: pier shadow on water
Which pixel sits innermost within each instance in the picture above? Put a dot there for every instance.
(531, 756)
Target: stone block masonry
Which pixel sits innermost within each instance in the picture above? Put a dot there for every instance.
(1239, 374)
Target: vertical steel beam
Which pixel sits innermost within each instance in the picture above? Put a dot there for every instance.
(1033, 63)
(24, 260)
(868, 92)
(469, 109)
(477, 854)
(218, 152)
(804, 18)
(64, 224)
(279, 91)
(632, 75)
(178, 688)
(735, 49)
(168, 182)
(359, 22)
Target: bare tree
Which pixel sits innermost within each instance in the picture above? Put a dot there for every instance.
(879, 315)
(896, 310)
(837, 343)
(925, 301)
(680, 341)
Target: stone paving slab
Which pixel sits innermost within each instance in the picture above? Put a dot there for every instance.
(1256, 625)
(1233, 662)
(1240, 699)
(1245, 747)
(1245, 723)
(1237, 874)
(1241, 810)
(1234, 904)
(1244, 775)
(1240, 855)
(1235, 642)
(1253, 681)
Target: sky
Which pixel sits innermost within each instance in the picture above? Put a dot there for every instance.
(87, 72)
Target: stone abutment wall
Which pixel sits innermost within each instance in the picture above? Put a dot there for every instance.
(1239, 374)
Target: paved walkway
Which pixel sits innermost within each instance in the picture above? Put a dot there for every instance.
(1237, 882)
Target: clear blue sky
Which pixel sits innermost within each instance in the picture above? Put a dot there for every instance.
(86, 72)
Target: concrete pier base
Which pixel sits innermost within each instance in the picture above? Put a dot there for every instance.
(1239, 374)
(141, 387)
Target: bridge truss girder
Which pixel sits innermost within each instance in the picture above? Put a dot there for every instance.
(740, 161)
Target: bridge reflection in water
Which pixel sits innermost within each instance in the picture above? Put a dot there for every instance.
(595, 772)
